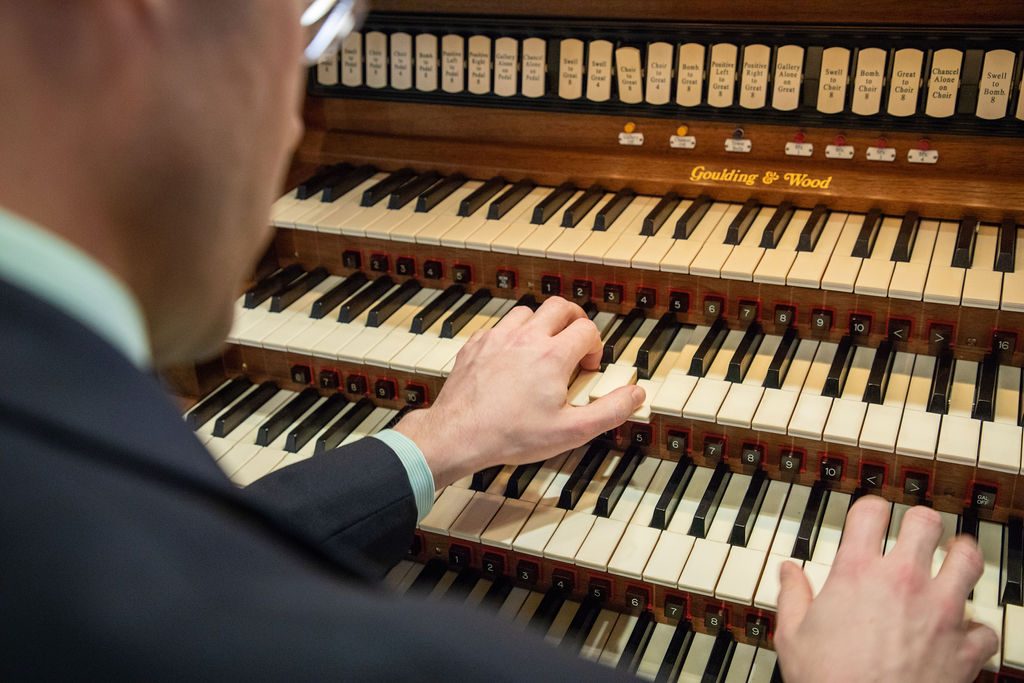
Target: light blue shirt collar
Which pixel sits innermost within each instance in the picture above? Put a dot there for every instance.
(65, 277)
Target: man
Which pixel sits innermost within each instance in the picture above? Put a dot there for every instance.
(143, 142)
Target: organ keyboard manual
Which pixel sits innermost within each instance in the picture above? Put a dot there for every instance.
(796, 225)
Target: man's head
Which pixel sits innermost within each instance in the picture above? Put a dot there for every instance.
(154, 135)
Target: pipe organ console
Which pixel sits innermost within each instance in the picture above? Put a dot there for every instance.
(797, 226)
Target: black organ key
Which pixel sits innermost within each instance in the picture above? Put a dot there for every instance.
(481, 195)
(906, 237)
(413, 189)
(881, 370)
(521, 477)
(813, 228)
(300, 286)
(782, 359)
(942, 381)
(314, 422)
(656, 345)
(590, 308)
(286, 415)
(347, 183)
(840, 368)
(737, 230)
(659, 214)
(582, 206)
(507, 201)
(1006, 252)
(483, 479)
(810, 523)
(340, 430)
(439, 192)
(692, 217)
(620, 337)
(548, 206)
(611, 211)
(963, 252)
(339, 293)
(497, 594)
(548, 609)
(464, 313)
(586, 469)
(708, 348)
(309, 187)
(375, 194)
(745, 352)
(777, 673)
(462, 585)
(707, 508)
(777, 225)
(528, 300)
(672, 494)
(428, 577)
(398, 298)
(405, 410)
(969, 523)
(335, 174)
(617, 482)
(721, 656)
(422, 321)
(868, 234)
(985, 389)
(749, 509)
(1013, 563)
(579, 627)
(675, 654)
(629, 660)
(366, 297)
(269, 286)
(242, 410)
(204, 411)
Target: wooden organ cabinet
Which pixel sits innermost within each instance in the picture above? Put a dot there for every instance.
(797, 226)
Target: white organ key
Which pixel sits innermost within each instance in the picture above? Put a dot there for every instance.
(561, 623)
(990, 542)
(565, 245)
(741, 574)
(600, 243)
(742, 660)
(710, 391)
(633, 551)
(769, 516)
(713, 254)
(430, 227)
(421, 344)
(1013, 637)
(809, 266)
(777, 263)
(529, 607)
(479, 592)
(598, 635)
(682, 253)
(644, 511)
(513, 603)
(959, 434)
(400, 335)
(538, 529)
(876, 270)
(579, 390)
(742, 400)
(623, 372)
(831, 529)
(843, 267)
(817, 575)
(478, 231)
(744, 257)
(895, 522)
(687, 508)
(944, 284)
(882, 422)
(789, 522)
(648, 252)
(342, 333)
(667, 560)
(445, 350)
(596, 550)
(363, 345)
(812, 408)
(245, 432)
(446, 510)
(657, 646)
(919, 430)
(776, 408)
(982, 284)
(1000, 447)
(617, 639)
(764, 666)
(395, 575)
(708, 556)
(298, 319)
(1013, 283)
(476, 516)
(507, 522)
(908, 278)
(635, 489)
(676, 388)
(767, 595)
(410, 577)
(532, 239)
(949, 522)
(846, 417)
(385, 222)
(344, 215)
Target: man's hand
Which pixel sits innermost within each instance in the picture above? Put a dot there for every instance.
(505, 400)
(885, 618)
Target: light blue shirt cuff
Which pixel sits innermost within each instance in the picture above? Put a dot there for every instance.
(420, 476)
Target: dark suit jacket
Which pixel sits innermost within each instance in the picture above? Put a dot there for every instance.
(125, 554)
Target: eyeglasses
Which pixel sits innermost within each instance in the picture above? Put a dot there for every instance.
(329, 22)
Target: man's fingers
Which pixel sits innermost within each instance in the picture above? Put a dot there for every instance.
(582, 344)
(517, 317)
(962, 567)
(554, 315)
(607, 412)
(981, 643)
(795, 597)
(920, 532)
(865, 528)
